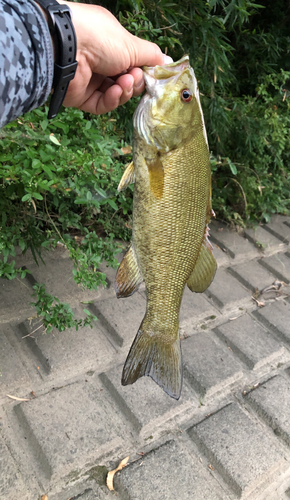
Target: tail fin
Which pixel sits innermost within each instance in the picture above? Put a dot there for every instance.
(161, 360)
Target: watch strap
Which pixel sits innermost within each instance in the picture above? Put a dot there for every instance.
(65, 46)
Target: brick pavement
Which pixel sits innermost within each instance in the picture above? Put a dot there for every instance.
(227, 437)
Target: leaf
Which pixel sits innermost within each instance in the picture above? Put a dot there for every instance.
(16, 398)
(101, 192)
(26, 197)
(54, 140)
(44, 124)
(110, 476)
(112, 204)
(126, 150)
(38, 196)
(36, 163)
(232, 167)
(48, 171)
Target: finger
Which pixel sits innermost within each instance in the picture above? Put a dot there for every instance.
(107, 83)
(99, 103)
(80, 89)
(126, 82)
(139, 82)
(116, 95)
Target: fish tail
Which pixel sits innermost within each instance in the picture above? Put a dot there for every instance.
(154, 356)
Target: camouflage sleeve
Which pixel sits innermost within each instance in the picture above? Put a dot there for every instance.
(26, 58)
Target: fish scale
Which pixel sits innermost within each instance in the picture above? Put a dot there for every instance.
(171, 211)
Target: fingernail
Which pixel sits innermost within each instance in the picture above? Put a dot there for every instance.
(130, 91)
(139, 84)
(167, 59)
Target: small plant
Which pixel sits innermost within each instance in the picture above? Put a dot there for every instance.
(260, 245)
(56, 314)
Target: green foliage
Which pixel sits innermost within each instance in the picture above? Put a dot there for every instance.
(59, 184)
(240, 51)
(257, 183)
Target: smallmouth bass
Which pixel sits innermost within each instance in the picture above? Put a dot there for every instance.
(171, 213)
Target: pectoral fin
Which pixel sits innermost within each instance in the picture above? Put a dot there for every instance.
(204, 270)
(128, 277)
(156, 176)
(128, 177)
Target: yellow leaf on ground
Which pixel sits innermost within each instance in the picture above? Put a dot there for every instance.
(110, 476)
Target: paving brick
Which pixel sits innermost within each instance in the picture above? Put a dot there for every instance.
(249, 341)
(276, 316)
(167, 473)
(208, 366)
(144, 403)
(11, 483)
(87, 490)
(70, 351)
(194, 308)
(15, 298)
(226, 292)
(231, 242)
(221, 255)
(70, 427)
(13, 374)
(279, 265)
(121, 317)
(244, 455)
(57, 277)
(271, 401)
(264, 240)
(278, 228)
(252, 275)
(88, 494)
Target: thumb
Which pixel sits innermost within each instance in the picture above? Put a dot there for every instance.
(146, 53)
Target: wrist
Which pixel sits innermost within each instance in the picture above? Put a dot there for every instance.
(45, 15)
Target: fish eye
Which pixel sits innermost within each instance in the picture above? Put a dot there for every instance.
(186, 95)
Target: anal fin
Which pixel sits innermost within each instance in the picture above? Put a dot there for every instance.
(204, 270)
(128, 277)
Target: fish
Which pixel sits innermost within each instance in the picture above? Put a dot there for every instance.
(172, 208)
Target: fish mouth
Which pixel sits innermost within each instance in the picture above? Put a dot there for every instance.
(153, 74)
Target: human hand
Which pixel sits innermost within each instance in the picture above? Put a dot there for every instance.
(109, 60)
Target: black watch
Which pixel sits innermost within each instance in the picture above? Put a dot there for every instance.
(65, 43)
